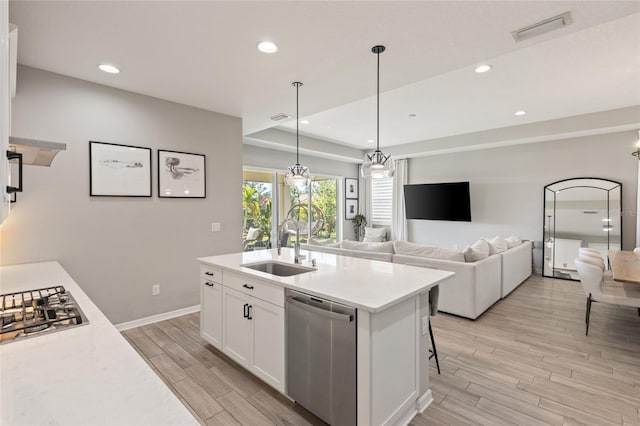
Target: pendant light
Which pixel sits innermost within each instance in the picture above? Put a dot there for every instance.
(377, 165)
(297, 175)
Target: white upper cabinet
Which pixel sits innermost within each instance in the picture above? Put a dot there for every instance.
(5, 107)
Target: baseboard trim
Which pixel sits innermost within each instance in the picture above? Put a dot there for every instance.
(424, 401)
(156, 318)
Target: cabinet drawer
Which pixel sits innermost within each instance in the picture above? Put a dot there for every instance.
(211, 273)
(271, 293)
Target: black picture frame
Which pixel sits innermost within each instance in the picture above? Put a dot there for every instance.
(350, 209)
(117, 170)
(181, 174)
(350, 188)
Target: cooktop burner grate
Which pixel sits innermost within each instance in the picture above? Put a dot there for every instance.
(32, 312)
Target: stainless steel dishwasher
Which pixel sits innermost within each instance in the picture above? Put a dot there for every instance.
(321, 357)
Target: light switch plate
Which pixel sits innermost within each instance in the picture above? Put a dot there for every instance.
(215, 227)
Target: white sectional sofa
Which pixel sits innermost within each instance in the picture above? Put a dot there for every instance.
(474, 287)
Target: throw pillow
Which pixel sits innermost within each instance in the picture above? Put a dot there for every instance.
(478, 251)
(314, 242)
(384, 247)
(513, 241)
(497, 245)
(372, 235)
(433, 252)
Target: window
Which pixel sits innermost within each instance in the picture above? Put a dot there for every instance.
(257, 197)
(381, 201)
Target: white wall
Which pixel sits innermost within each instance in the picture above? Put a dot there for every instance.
(507, 185)
(280, 160)
(116, 248)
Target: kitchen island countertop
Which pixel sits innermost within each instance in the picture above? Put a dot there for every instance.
(365, 284)
(86, 375)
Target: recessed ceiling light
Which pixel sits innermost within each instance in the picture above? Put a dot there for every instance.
(304, 121)
(520, 113)
(109, 68)
(267, 47)
(483, 68)
(370, 141)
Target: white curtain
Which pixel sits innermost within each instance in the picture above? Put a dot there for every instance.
(364, 195)
(399, 220)
(638, 205)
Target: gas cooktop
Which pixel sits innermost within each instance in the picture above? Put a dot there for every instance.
(35, 312)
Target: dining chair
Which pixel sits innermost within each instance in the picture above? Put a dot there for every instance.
(586, 250)
(592, 280)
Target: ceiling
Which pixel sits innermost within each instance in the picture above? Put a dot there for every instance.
(204, 54)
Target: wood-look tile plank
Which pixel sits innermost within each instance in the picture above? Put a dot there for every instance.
(168, 368)
(575, 415)
(199, 400)
(473, 413)
(208, 380)
(242, 382)
(509, 414)
(143, 343)
(511, 403)
(244, 412)
(222, 419)
(180, 356)
(275, 410)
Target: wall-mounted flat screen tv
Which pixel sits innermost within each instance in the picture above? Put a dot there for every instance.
(438, 201)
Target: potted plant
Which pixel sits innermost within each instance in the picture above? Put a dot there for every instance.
(359, 222)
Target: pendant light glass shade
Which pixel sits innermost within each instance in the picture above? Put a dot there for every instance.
(377, 165)
(297, 175)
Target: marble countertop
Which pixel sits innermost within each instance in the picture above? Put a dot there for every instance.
(364, 284)
(87, 375)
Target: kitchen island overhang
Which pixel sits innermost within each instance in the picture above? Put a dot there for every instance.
(392, 322)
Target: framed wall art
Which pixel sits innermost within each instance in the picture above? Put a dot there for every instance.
(119, 170)
(350, 188)
(350, 209)
(181, 175)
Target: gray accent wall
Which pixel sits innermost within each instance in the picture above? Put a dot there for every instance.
(115, 247)
(507, 186)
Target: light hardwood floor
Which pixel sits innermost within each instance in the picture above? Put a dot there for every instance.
(526, 362)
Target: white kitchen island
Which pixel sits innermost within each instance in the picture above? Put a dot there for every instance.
(392, 322)
(86, 375)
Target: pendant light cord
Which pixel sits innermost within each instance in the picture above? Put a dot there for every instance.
(297, 126)
(378, 107)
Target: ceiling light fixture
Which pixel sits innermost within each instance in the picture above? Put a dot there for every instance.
(297, 175)
(370, 141)
(519, 113)
(304, 121)
(483, 68)
(111, 69)
(267, 47)
(377, 165)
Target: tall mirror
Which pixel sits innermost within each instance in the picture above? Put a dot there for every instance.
(581, 212)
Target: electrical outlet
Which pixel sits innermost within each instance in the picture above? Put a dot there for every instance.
(215, 227)
(155, 289)
(425, 325)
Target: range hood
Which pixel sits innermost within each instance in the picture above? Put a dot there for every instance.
(36, 152)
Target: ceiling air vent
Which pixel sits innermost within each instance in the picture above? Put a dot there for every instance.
(281, 116)
(542, 27)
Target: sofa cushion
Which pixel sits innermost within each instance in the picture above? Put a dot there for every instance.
(433, 252)
(314, 242)
(386, 247)
(372, 235)
(513, 241)
(478, 251)
(497, 245)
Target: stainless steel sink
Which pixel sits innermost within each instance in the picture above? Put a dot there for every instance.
(278, 268)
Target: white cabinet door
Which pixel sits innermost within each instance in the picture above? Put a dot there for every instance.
(268, 343)
(211, 313)
(237, 328)
(5, 107)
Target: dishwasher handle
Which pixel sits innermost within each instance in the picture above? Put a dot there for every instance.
(329, 314)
